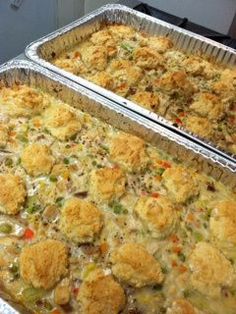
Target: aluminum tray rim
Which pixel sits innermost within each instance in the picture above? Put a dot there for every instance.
(149, 124)
(31, 52)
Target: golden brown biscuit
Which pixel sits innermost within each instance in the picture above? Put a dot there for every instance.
(174, 59)
(120, 32)
(148, 58)
(198, 66)
(95, 57)
(4, 134)
(103, 79)
(101, 294)
(61, 122)
(125, 74)
(74, 65)
(133, 265)
(129, 151)
(225, 86)
(210, 270)
(173, 82)
(157, 215)
(148, 100)
(12, 194)
(61, 170)
(107, 183)
(209, 106)
(159, 43)
(104, 38)
(223, 223)
(182, 306)
(37, 159)
(44, 263)
(22, 100)
(199, 126)
(80, 220)
(181, 183)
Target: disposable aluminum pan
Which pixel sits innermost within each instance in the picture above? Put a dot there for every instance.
(77, 96)
(43, 50)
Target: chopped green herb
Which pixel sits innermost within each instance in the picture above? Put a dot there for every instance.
(73, 137)
(127, 47)
(46, 131)
(22, 138)
(5, 228)
(53, 178)
(33, 208)
(186, 293)
(118, 208)
(105, 148)
(158, 287)
(18, 161)
(182, 257)
(160, 171)
(66, 161)
(9, 162)
(198, 236)
(14, 269)
(94, 163)
(164, 270)
(60, 201)
(33, 294)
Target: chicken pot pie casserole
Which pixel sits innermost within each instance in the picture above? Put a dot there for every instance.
(193, 92)
(96, 221)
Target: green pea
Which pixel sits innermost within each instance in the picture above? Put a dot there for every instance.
(5, 228)
(66, 161)
(32, 294)
(160, 171)
(22, 138)
(53, 178)
(9, 162)
(33, 208)
(198, 236)
(118, 208)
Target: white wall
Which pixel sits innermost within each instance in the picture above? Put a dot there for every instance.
(91, 5)
(19, 27)
(31, 21)
(214, 14)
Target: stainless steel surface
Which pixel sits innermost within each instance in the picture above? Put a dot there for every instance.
(77, 96)
(45, 48)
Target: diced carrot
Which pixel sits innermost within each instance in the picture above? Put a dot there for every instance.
(182, 269)
(56, 311)
(174, 238)
(37, 123)
(174, 264)
(77, 54)
(178, 121)
(177, 249)
(115, 166)
(190, 217)
(165, 164)
(28, 234)
(155, 195)
(12, 133)
(182, 114)
(75, 291)
(104, 248)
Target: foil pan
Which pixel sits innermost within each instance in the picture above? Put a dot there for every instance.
(48, 47)
(79, 97)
